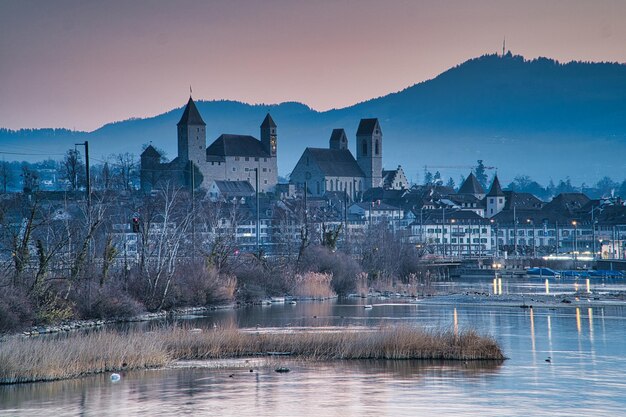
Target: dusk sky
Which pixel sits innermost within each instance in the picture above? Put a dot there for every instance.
(80, 64)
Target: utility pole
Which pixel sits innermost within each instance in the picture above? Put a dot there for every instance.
(88, 187)
(193, 210)
(515, 231)
(258, 216)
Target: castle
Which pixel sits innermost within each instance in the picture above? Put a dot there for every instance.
(229, 158)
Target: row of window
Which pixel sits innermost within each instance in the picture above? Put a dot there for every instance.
(247, 158)
(453, 240)
(460, 230)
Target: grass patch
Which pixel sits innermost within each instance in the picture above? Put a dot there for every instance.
(53, 358)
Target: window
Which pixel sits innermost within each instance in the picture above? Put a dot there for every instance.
(256, 159)
(234, 169)
(377, 149)
(264, 159)
(364, 148)
(265, 181)
(264, 169)
(500, 200)
(247, 159)
(236, 158)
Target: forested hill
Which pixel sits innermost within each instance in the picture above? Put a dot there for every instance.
(538, 117)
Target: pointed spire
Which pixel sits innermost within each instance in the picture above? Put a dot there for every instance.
(495, 190)
(268, 121)
(191, 115)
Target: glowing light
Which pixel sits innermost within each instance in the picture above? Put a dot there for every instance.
(578, 326)
(547, 286)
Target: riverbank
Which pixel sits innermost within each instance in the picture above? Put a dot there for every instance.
(570, 300)
(76, 355)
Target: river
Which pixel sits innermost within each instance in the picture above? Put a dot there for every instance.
(563, 361)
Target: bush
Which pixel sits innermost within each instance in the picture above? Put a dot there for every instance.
(16, 311)
(257, 279)
(343, 267)
(107, 301)
(196, 285)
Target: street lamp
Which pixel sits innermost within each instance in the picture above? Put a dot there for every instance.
(531, 222)
(453, 221)
(494, 226)
(575, 223)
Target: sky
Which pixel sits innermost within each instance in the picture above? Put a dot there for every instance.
(81, 64)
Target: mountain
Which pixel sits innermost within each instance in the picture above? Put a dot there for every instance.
(537, 117)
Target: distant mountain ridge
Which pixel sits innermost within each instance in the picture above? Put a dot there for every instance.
(538, 117)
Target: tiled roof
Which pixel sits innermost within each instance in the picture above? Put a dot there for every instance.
(237, 145)
(268, 121)
(471, 186)
(151, 152)
(367, 126)
(191, 115)
(335, 162)
(496, 190)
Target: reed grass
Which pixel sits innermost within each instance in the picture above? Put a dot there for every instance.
(26, 360)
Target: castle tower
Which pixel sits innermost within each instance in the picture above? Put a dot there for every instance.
(338, 139)
(269, 137)
(192, 136)
(369, 152)
(149, 173)
(495, 198)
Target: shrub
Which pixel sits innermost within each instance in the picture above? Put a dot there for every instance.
(109, 301)
(16, 311)
(343, 268)
(197, 285)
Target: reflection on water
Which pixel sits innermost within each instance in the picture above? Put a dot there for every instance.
(563, 361)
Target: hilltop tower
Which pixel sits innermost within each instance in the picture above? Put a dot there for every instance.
(269, 137)
(369, 152)
(192, 136)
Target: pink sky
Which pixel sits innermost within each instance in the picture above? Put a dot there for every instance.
(80, 64)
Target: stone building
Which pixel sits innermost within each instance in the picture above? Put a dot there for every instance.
(336, 169)
(229, 158)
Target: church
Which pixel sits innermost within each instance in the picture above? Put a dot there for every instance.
(336, 169)
(230, 157)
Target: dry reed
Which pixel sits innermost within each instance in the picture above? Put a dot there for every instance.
(23, 360)
(314, 284)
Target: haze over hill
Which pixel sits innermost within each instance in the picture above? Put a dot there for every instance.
(539, 117)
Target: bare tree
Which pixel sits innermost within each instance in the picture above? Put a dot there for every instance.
(73, 169)
(165, 223)
(6, 176)
(125, 170)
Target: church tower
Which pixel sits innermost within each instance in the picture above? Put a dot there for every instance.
(192, 136)
(369, 152)
(269, 137)
(495, 198)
